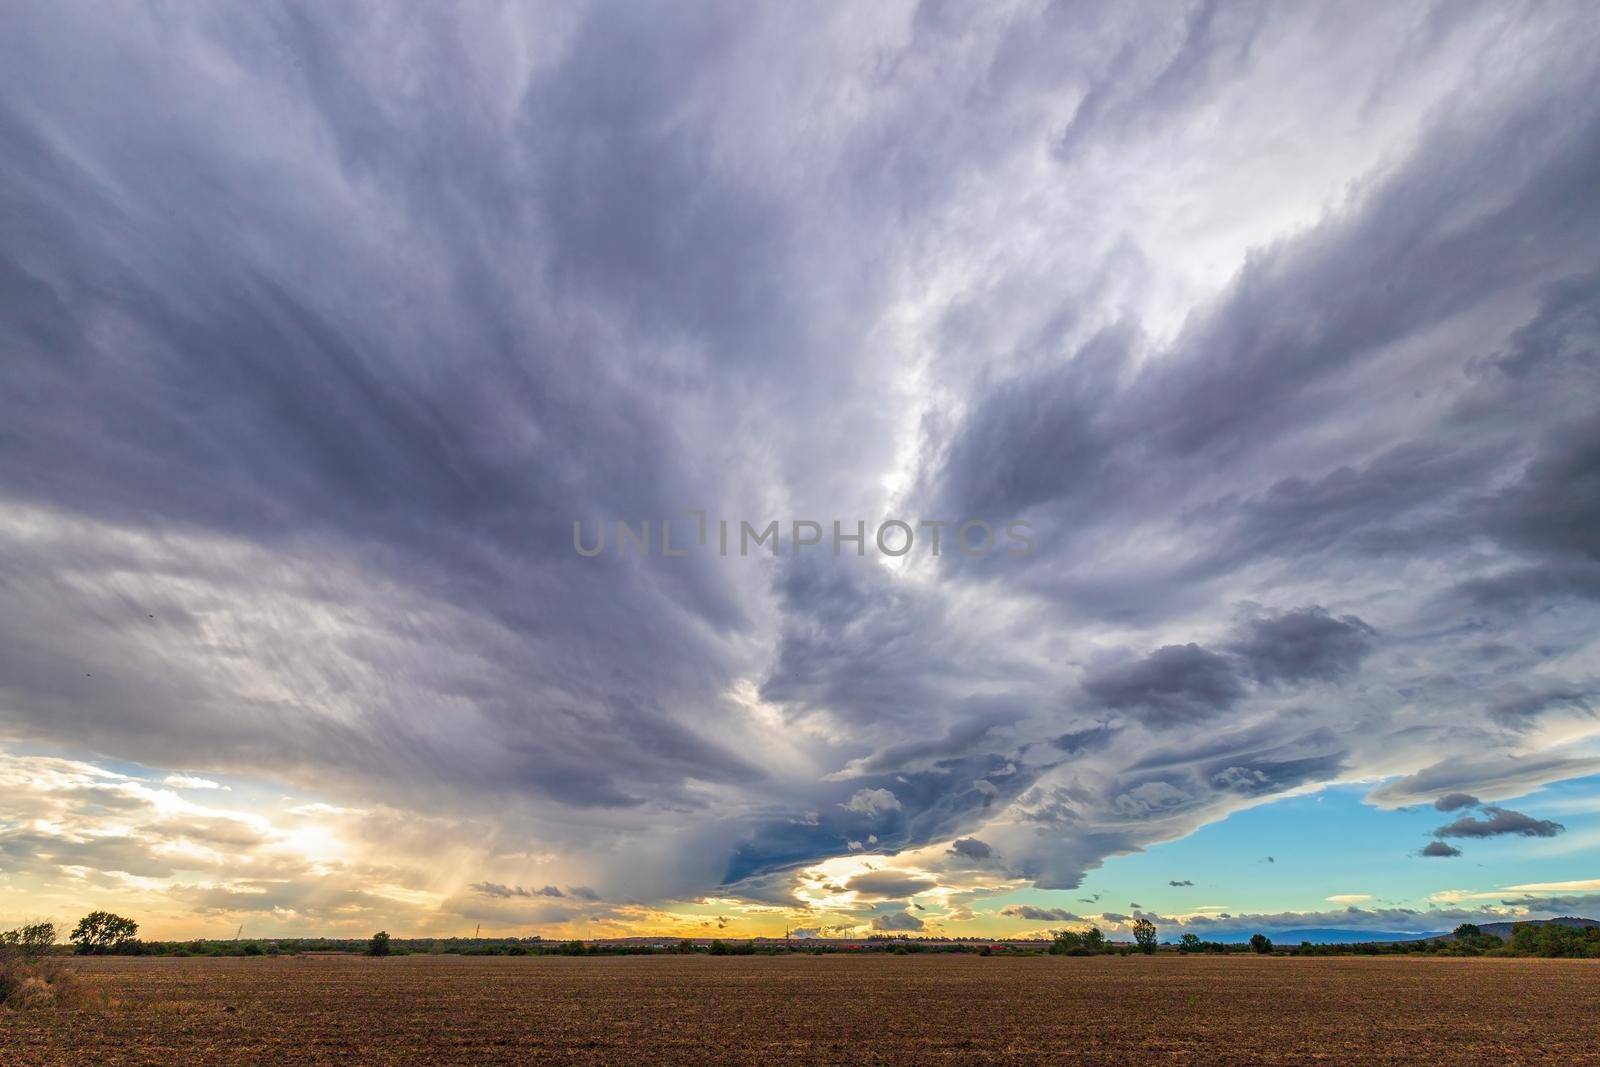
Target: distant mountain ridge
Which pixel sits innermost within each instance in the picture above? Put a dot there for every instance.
(1330, 936)
(1338, 936)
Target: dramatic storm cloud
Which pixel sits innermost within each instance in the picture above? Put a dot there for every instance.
(1279, 327)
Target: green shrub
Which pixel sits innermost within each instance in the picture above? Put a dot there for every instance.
(1065, 941)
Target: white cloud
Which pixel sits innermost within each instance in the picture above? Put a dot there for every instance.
(872, 802)
(1577, 885)
(184, 781)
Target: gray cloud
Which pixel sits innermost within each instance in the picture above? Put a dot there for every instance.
(1308, 644)
(897, 921)
(889, 884)
(1500, 822)
(1173, 684)
(495, 889)
(1440, 849)
(1502, 775)
(971, 848)
(1456, 801)
(1581, 905)
(1522, 706)
(1038, 914)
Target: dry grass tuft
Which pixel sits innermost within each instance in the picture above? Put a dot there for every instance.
(43, 982)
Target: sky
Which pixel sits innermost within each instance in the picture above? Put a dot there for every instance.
(1263, 338)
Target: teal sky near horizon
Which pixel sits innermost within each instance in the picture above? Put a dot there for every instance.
(1330, 843)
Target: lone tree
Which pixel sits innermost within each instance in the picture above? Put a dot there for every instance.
(378, 944)
(1260, 943)
(1144, 932)
(100, 932)
(1189, 943)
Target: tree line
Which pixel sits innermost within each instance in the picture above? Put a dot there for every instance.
(106, 933)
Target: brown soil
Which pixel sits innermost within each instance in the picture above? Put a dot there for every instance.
(829, 1009)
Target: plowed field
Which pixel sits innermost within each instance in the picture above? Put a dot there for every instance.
(828, 1009)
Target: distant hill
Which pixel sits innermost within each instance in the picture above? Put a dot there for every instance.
(1503, 930)
(1325, 936)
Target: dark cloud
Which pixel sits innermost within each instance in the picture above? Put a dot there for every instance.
(1304, 645)
(1174, 684)
(1184, 882)
(892, 885)
(1456, 801)
(1500, 822)
(1519, 589)
(1078, 742)
(1440, 849)
(1037, 914)
(970, 848)
(1555, 506)
(1523, 706)
(496, 890)
(1582, 905)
